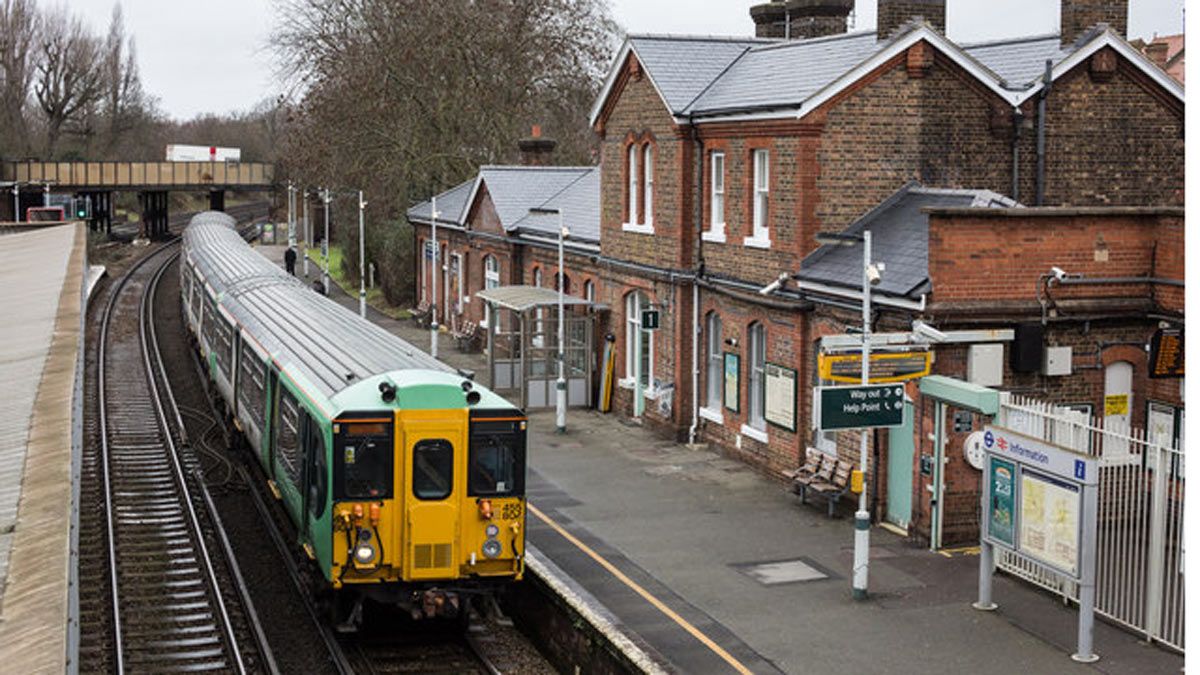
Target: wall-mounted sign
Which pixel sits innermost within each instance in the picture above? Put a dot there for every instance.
(732, 381)
(1166, 353)
(885, 367)
(780, 405)
(1116, 404)
(650, 319)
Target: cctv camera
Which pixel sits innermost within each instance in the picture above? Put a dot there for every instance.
(923, 330)
(1058, 273)
(873, 275)
(774, 285)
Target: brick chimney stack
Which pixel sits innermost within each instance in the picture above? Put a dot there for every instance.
(1157, 52)
(796, 19)
(892, 14)
(1079, 16)
(535, 150)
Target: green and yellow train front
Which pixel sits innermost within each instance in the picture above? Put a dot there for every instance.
(426, 485)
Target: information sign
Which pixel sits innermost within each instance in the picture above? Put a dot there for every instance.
(885, 367)
(862, 407)
(1001, 503)
(1166, 353)
(780, 408)
(1049, 521)
(732, 384)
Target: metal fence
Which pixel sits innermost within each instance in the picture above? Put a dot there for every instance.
(1139, 561)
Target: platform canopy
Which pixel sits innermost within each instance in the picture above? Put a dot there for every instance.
(523, 298)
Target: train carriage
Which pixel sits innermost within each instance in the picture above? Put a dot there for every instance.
(403, 478)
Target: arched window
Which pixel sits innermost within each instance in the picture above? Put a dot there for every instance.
(639, 343)
(648, 184)
(589, 291)
(491, 279)
(632, 190)
(757, 338)
(565, 280)
(716, 355)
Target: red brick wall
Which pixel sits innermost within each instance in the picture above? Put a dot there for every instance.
(1115, 142)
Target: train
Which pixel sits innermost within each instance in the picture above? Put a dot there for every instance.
(403, 478)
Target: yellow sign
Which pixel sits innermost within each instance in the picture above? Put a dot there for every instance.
(885, 367)
(1116, 404)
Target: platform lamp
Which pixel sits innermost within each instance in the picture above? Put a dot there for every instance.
(291, 215)
(871, 274)
(362, 258)
(16, 202)
(307, 231)
(560, 387)
(434, 272)
(325, 242)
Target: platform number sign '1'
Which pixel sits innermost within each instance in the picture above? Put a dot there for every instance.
(650, 319)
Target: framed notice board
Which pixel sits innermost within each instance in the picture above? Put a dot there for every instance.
(780, 399)
(733, 371)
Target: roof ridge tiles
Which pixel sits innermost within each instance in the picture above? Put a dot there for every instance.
(697, 37)
(1009, 40)
(803, 42)
(524, 167)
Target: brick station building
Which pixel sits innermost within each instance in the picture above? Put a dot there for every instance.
(722, 159)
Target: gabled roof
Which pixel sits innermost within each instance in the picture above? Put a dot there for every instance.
(705, 77)
(899, 239)
(516, 189)
(452, 205)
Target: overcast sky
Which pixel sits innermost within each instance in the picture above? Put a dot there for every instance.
(201, 56)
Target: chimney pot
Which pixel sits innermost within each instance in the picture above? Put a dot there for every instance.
(536, 132)
(796, 19)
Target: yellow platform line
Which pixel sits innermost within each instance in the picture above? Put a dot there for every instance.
(636, 588)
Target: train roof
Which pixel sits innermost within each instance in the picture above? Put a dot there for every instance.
(319, 344)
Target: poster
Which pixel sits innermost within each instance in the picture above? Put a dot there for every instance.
(1116, 404)
(1049, 521)
(780, 408)
(1002, 503)
(732, 372)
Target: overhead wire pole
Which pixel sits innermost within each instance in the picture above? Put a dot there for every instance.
(433, 272)
(362, 258)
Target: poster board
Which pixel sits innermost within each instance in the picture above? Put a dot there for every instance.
(780, 404)
(1002, 512)
(1049, 521)
(732, 381)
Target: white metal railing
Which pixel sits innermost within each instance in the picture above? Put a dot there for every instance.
(1139, 557)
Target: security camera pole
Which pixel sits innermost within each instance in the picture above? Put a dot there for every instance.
(862, 522)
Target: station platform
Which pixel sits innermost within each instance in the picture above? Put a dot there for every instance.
(708, 567)
(43, 273)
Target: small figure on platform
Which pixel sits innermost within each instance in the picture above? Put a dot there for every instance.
(289, 259)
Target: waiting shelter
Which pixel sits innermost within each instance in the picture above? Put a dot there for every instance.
(522, 344)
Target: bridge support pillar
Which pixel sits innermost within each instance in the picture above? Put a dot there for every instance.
(154, 214)
(101, 208)
(216, 200)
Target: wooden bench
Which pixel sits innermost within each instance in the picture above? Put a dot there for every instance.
(831, 480)
(420, 314)
(466, 335)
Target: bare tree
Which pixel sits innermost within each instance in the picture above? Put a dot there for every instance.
(70, 75)
(124, 100)
(19, 23)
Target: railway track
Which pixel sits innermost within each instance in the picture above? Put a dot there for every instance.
(176, 597)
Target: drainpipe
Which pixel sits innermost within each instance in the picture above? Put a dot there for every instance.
(1017, 118)
(1041, 138)
(698, 216)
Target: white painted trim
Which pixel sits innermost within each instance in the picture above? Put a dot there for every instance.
(712, 415)
(754, 242)
(648, 393)
(636, 228)
(714, 237)
(759, 435)
(614, 71)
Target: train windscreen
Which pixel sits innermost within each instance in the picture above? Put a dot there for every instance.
(497, 458)
(363, 459)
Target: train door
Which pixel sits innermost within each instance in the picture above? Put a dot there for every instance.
(287, 462)
(433, 446)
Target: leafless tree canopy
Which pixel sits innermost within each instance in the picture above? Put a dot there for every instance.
(404, 98)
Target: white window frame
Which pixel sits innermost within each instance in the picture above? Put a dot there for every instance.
(715, 388)
(648, 185)
(589, 291)
(716, 199)
(756, 395)
(635, 302)
(760, 237)
(632, 188)
(491, 279)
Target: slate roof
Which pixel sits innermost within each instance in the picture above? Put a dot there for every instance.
(452, 205)
(899, 239)
(682, 66)
(1019, 62)
(516, 189)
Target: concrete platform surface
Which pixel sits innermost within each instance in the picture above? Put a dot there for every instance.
(42, 273)
(718, 569)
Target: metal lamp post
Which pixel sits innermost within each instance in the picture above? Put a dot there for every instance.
(291, 215)
(362, 255)
(16, 202)
(307, 231)
(434, 271)
(45, 194)
(325, 243)
(862, 519)
(560, 387)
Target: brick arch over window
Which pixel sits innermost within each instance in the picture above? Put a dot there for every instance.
(1130, 353)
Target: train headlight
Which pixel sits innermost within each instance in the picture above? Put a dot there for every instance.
(491, 548)
(492, 530)
(364, 554)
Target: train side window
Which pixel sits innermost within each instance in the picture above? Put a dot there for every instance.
(224, 345)
(208, 329)
(287, 445)
(318, 478)
(433, 469)
(252, 385)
